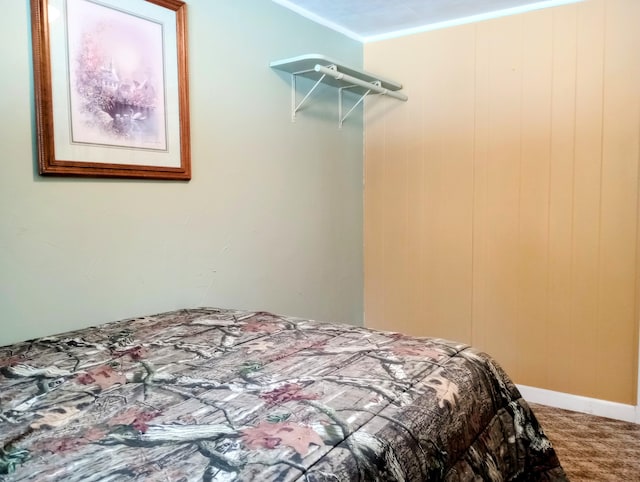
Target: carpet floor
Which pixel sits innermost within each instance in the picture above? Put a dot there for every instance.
(592, 448)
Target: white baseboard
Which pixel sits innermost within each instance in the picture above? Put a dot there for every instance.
(577, 403)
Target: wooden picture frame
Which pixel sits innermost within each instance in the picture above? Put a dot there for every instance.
(111, 88)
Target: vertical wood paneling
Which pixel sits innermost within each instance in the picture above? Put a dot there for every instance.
(433, 180)
(533, 227)
(395, 213)
(585, 245)
(501, 201)
(561, 326)
(374, 292)
(448, 180)
(618, 215)
(481, 164)
(498, 321)
(415, 198)
(425, 168)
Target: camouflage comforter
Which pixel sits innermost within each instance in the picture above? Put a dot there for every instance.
(209, 394)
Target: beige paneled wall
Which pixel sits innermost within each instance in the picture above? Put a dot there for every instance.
(501, 201)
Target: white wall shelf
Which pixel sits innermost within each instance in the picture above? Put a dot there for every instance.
(324, 70)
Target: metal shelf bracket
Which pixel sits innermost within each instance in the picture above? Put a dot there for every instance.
(323, 70)
(295, 107)
(342, 118)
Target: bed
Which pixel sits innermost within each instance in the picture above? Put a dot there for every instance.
(212, 394)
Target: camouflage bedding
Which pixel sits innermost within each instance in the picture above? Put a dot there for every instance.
(208, 394)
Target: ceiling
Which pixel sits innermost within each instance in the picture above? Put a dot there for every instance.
(368, 20)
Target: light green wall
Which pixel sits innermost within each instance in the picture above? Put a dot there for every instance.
(271, 220)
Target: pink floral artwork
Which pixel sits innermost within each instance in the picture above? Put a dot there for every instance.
(116, 77)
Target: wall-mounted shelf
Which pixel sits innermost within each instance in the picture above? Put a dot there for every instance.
(324, 70)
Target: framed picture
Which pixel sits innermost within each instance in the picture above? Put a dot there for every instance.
(111, 88)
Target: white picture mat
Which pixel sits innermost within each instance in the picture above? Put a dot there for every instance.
(65, 149)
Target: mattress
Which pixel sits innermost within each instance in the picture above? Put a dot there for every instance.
(213, 394)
